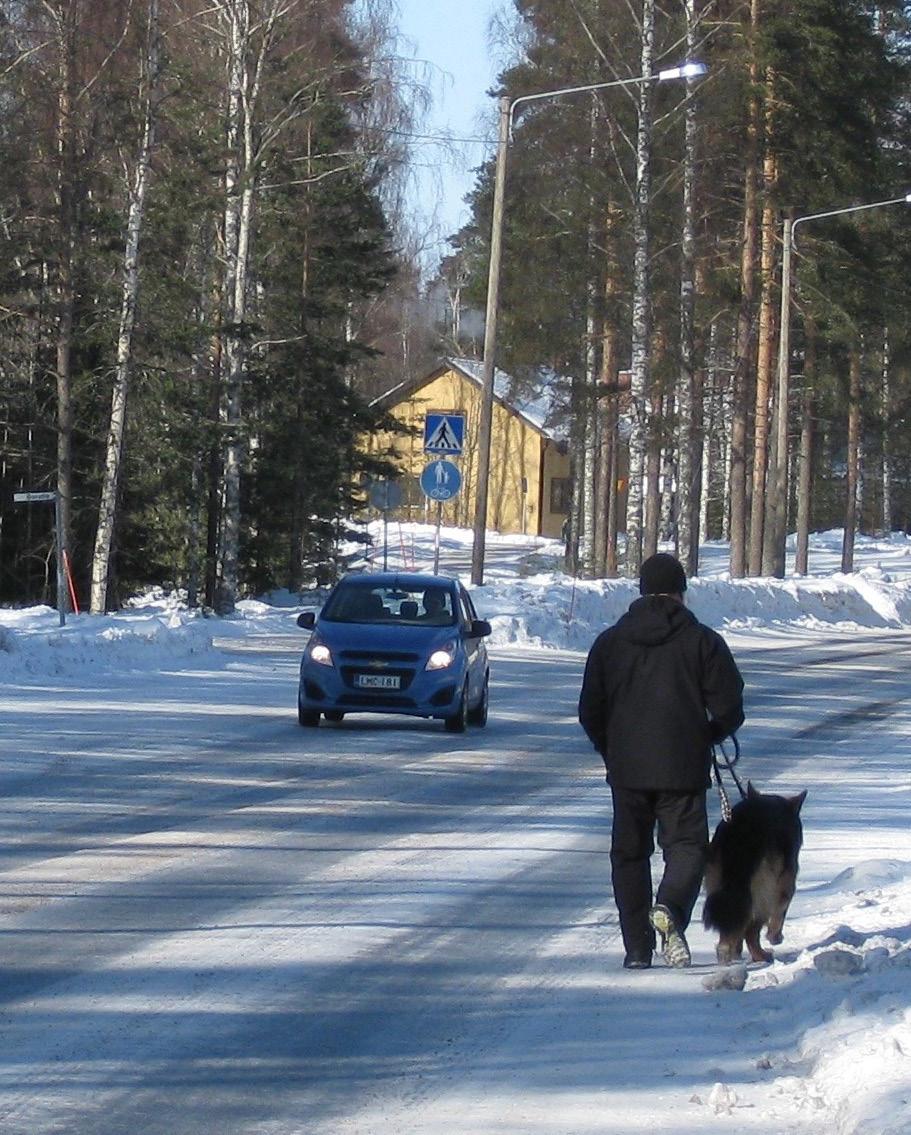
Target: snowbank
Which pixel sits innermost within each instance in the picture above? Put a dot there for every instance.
(140, 638)
(527, 599)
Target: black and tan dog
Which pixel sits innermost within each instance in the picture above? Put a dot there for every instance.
(751, 873)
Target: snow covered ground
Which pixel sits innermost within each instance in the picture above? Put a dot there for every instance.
(468, 957)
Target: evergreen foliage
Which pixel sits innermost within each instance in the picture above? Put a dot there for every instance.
(805, 101)
(831, 81)
(321, 251)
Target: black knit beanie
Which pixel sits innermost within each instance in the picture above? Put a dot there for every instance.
(662, 574)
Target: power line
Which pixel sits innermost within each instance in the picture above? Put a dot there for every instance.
(440, 138)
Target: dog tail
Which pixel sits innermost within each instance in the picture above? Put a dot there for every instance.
(727, 910)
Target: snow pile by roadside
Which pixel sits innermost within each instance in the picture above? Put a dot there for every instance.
(558, 611)
(847, 985)
(143, 637)
(526, 598)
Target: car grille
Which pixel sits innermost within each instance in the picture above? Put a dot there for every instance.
(388, 662)
(405, 676)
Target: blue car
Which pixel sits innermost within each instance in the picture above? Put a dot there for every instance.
(392, 642)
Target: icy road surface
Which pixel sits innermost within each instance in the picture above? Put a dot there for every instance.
(214, 921)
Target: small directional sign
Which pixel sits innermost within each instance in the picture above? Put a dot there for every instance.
(22, 497)
(444, 433)
(441, 480)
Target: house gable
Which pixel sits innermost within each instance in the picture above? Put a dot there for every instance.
(526, 453)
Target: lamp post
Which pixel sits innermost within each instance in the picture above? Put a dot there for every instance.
(507, 108)
(779, 478)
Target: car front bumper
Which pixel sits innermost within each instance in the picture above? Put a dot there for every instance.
(428, 694)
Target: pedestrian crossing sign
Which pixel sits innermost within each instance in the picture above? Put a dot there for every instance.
(444, 433)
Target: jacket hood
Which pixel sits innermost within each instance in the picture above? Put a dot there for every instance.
(653, 620)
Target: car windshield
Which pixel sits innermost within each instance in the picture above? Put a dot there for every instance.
(407, 606)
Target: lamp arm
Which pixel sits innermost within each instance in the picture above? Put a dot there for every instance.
(906, 199)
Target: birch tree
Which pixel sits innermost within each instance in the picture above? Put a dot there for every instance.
(689, 408)
(250, 32)
(137, 188)
(641, 303)
(886, 414)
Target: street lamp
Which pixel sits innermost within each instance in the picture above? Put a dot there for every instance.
(779, 478)
(507, 108)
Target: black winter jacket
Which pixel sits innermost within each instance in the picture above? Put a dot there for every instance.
(659, 689)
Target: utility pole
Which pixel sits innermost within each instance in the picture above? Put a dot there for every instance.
(490, 339)
(507, 107)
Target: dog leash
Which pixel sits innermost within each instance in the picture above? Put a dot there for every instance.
(729, 762)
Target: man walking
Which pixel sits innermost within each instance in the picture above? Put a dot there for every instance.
(659, 689)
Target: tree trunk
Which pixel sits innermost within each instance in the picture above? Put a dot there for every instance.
(689, 465)
(602, 484)
(611, 559)
(236, 229)
(652, 481)
(586, 483)
(608, 407)
(670, 472)
(744, 344)
(887, 444)
(583, 452)
(853, 461)
(66, 285)
(763, 374)
(805, 456)
(299, 510)
(110, 490)
(713, 428)
(641, 304)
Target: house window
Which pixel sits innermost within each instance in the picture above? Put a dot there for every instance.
(561, 495)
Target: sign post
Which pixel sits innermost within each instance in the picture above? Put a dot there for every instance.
(436, 539)
(59, 552)
(385, 496)
(440, 481)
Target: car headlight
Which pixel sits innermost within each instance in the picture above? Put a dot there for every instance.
(442, 657)
(320, 654)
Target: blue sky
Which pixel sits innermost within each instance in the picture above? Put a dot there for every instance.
(453, 38)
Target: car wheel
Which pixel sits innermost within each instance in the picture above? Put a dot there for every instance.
(458, 722)
(478, 715)
(309, 718)
(334, 715)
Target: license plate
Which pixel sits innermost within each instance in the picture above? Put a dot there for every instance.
(377, 681)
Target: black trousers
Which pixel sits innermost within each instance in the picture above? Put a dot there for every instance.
(683, 837)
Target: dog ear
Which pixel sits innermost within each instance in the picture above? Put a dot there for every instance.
(752, 793)
(796, 802)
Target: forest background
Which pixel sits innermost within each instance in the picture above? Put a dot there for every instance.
(208, 272)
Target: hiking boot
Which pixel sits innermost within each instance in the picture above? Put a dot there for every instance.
(673, 944)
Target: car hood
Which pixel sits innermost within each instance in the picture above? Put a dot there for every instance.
(383, 636)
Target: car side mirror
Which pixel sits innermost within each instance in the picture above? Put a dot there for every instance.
(306, 619)
(480, 628)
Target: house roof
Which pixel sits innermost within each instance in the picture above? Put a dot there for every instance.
(538, 405)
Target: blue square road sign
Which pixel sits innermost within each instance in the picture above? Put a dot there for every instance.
(444, 434)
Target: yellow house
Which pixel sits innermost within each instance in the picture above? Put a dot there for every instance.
(529, 490)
